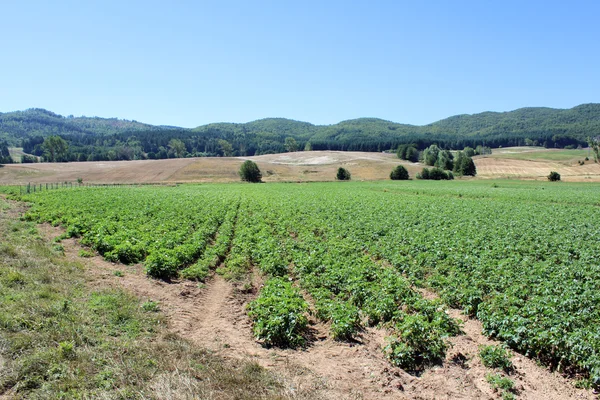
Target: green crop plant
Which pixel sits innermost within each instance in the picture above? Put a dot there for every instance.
(279, 314)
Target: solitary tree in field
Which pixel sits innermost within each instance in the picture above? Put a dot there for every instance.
(554, 176)
(342, 174)
(399, 173)
(250, 172)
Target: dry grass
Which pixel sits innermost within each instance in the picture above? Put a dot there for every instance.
(300, 166)
(520, 163)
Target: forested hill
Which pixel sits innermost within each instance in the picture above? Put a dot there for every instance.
(105, 139)
(18, 125)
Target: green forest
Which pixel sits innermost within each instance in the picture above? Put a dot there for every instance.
(101, 139)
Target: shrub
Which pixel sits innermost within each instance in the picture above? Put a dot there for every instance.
(279, 314)
(554, 176)
(342, 174)
(399, 173)
(250, 172)
(408, 152)
(495, 357)
(435, 174)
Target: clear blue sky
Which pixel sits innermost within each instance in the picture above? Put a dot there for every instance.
(188, 63)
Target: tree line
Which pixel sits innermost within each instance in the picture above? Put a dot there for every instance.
(179, 144)
(100, 139)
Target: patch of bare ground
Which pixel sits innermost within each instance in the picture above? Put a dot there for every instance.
(213, 316)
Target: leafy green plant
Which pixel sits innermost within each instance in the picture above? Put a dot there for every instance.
(495, 357)
(150, 306)
(66, 350)
(85, 253)
(499, 382)
(356, 250)
(279, 314)
(418, 342)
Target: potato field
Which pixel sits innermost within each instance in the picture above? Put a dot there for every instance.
(522, 257)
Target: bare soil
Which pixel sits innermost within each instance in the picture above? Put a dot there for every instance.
(213, 316)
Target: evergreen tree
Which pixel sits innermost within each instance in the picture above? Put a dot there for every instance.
(343, 174)
(399, 173)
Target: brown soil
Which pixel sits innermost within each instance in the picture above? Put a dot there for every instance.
(213, 316)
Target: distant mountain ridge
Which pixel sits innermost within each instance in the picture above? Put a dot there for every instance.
(546, 126)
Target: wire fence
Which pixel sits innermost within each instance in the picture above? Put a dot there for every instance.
(39, 187)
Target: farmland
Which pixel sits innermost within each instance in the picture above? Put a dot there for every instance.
(303, 166)
(521, 257)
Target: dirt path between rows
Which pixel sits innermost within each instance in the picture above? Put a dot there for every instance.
(213, 316)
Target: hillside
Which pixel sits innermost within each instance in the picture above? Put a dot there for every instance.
(302, 166)
(126, 140)
(578, 122)
(18, 125)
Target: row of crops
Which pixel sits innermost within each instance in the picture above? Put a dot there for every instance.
(522, 257)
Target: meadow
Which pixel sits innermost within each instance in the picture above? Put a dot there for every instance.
(522, 257)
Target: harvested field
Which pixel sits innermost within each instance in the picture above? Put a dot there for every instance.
(308, 166)
(494, 168)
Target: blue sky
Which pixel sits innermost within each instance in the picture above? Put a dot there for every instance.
(188, 63)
